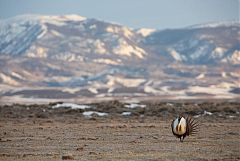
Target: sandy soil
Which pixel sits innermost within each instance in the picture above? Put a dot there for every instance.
(24, 135)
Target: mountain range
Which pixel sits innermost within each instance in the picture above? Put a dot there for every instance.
(73, 57)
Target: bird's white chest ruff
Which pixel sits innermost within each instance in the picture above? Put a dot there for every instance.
(179, 127)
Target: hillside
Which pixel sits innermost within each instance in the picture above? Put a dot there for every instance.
(73, 57)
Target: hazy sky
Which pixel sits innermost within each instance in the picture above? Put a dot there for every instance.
(133, 13)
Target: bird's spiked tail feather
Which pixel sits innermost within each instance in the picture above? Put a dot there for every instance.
(192, 126)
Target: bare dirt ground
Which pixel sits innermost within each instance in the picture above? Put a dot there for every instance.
(26, 133)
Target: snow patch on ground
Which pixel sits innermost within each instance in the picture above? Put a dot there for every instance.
(204, 114)
(135, 105)
(207, 113)
(126, 113)
(71, 105)
(90, 113)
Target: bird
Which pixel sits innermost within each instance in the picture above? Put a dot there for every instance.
(182, 127)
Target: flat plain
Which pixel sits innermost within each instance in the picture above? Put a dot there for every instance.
(38, 132)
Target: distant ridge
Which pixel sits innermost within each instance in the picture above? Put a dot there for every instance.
(70, 57)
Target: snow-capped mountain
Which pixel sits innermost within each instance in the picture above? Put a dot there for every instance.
(72, 37)
(69, 37)
(71, 56)
(200, 44)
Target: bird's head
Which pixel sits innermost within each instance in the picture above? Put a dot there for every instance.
(179, 125)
